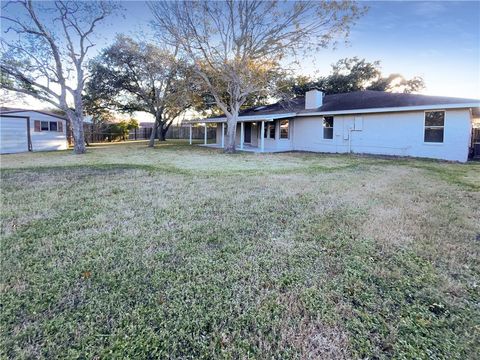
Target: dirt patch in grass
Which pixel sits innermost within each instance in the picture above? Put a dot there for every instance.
(180, 252)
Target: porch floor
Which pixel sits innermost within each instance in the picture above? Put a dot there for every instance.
(246, 147)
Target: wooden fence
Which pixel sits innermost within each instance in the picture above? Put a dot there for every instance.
(176, 132)
(96, 133)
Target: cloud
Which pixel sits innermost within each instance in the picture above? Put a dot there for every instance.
(429, 9)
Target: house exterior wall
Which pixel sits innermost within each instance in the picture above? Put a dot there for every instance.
(278, 144)
(45, 140)
(399, 133)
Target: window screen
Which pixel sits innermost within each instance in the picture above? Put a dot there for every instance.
(434, 126)
(284, 124)
(328, 127)
(271, 130)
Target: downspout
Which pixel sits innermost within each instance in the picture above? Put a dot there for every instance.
(29, 135)
(350, 130)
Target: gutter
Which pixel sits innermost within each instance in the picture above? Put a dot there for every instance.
(392, 109)
(339, 112)
(244, 118)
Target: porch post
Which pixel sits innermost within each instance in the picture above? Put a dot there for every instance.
(223, 135)
(205, 135)
(241, 135)
(262, 136)
(190, 134)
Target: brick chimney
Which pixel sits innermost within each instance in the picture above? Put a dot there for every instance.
(313, 99)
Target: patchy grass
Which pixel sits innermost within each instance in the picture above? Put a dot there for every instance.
(185, 252)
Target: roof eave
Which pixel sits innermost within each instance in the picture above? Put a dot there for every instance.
(392, 109)
(37, 111)
(269, 117)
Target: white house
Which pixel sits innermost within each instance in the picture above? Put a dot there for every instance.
(367, 122)
(24, 130)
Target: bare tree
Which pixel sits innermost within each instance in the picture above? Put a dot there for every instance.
(239, 47)
(134, 75)
(44, 52)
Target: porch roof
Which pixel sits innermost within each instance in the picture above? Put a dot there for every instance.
(249, 118)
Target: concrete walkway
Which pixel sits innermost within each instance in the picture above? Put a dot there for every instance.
(246, 147)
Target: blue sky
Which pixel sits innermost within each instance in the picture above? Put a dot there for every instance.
(438, 40)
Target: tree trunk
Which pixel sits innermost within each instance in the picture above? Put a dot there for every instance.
(158, 130)
(162, 134)
(231, 133)
(153, 135)
(78, 133)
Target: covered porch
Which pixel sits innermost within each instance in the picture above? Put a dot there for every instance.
(253, 133)
(246, 147)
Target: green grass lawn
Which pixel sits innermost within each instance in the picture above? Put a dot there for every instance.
(186, 252)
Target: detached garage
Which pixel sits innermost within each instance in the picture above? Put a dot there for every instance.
(24, 130)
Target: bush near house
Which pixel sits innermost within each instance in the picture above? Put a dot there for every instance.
(187, 252)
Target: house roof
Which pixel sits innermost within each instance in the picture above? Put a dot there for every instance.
(379, 99)
(357, 101)
(9, 110)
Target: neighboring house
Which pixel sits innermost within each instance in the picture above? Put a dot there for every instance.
(24, 130)
(366, 122)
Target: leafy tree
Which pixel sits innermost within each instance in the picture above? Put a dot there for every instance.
(45, 55)
(133, 76)
(238, 49)
(126, 126)
(353, 74)
(116, 130)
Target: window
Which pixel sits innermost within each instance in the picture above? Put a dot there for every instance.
(269, 131)
(328, 127)
(56, 126)
(434, 126)
(284, 129)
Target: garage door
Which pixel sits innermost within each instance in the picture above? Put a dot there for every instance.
(13, 135)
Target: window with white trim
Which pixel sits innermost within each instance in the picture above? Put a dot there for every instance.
(55, 126)
(434, 126)
(269, 131)
(284, 129)
(328, 127)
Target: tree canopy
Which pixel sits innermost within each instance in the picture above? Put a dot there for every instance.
(132, 75)
(353, 74)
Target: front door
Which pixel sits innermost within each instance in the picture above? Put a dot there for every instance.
(248, 132)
